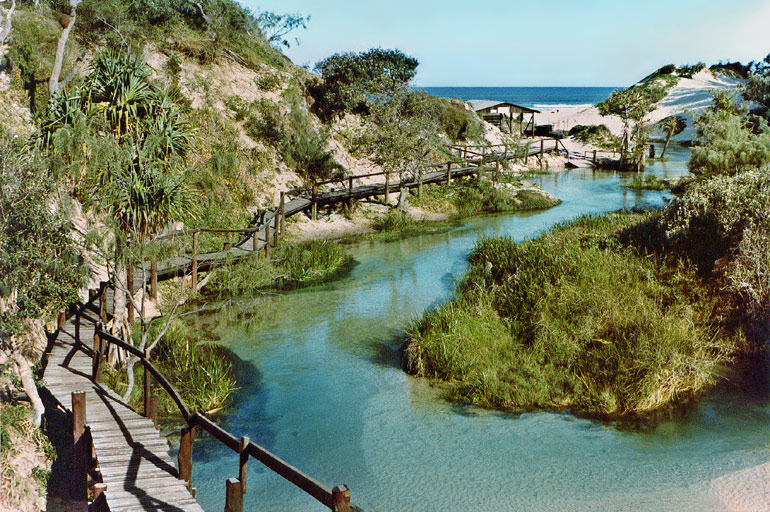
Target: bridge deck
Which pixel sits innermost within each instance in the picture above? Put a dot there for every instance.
(132, 456)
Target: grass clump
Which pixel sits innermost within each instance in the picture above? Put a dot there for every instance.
(574, 319)
(202, 372)
(292, 265)
(477, 196)
(648, 182)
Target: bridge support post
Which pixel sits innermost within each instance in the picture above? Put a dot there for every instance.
(194, 278)
(154, 280)
(184, 457)
(243, 464)
(233, 495)
(341, 499)
(594, 160)
(449, 173)
(255, 243)
(282, 211)
(387, 187)
(81, 449)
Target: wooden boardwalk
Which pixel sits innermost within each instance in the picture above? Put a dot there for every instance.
(132, 456)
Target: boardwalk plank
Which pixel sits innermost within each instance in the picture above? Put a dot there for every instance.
(132, 456)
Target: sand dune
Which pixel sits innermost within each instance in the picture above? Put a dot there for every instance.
(688, 98)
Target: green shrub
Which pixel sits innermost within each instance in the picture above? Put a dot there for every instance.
(598, 135)
(269, 82)
(304, 148)
(268, 124)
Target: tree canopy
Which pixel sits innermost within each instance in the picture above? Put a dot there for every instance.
(355, 81)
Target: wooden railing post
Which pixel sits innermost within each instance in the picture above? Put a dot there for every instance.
(594, 157)
(184, 457)
(154, 280)
(194, 277)
(267, 239)
(96, 375)
(99, 490)
(449, 173)
(350, 193)
(540, 156)
(255, 242)
(77, 325)
(419, 182)
(233, 495)
(341, 499)
(81, 450)
(282, 211)
(148, 391)
(103, 301)
(275, 230)
(314, 203)
(387, 187)
(243, 464)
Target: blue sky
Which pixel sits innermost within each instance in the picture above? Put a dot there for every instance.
(517, 43)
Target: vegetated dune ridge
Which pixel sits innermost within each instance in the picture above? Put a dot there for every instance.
(688, 98)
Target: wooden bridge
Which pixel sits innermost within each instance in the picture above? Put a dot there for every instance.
(122, 451)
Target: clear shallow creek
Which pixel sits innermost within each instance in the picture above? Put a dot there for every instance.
(324, 391)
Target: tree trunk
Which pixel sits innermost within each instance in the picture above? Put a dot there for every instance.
(67, 21)
(28, 383)
(120, 328)
(665, 146)
(130, 375)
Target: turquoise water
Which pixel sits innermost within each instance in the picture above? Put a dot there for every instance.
(323, 390)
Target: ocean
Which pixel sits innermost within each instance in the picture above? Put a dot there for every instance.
(539, 98)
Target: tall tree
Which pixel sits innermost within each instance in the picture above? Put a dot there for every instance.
(672, 125)
(356, 81)
(631, 105)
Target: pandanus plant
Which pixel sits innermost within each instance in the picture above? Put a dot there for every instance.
(672, 125)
